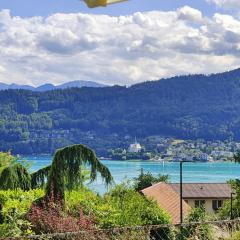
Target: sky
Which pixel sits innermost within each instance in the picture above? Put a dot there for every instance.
(56, 41)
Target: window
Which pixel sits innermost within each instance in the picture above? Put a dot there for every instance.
(199, 203)
(216, 204)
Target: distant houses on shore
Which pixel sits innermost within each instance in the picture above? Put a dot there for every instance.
(168, 149)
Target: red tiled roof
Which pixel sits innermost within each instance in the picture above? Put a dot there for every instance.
(168, 199)
(203, 190)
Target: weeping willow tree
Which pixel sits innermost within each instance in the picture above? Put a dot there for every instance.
(65, 171)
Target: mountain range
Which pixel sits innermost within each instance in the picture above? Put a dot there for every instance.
(184, 107)
(49, 86)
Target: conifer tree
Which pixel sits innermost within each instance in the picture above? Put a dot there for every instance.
(65, 171)
(13, 173)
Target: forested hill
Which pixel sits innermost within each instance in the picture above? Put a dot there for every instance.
(189, 107)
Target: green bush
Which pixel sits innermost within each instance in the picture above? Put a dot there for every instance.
(18, 200)
(134, 209)
(235, 236)
(83, 198)
(203, 231)
(225, 211)
(122, 206)
(15, 205)
(15, 225)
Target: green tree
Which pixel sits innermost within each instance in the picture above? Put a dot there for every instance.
(236, 157)
(145, 180)
(14, 177)
(6, 159)
(13, 173)
(235, 184)
(65, 170)
(225, 211)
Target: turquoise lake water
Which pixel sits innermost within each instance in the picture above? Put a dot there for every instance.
(192, 172)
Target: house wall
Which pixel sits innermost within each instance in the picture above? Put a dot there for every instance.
(208, 204)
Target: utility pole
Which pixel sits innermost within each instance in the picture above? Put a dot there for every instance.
(181, 193)
(231, 213)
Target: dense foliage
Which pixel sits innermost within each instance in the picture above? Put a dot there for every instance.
(202, 231)
(195, 106)
(145, 180)
(122, 206)
(13, 173)
(235, 236)
(6, 159)
(65, 171)
(50, 218)
(44, 213)
(14, 177)
(225, 211)
(65, 205)
(15, 205)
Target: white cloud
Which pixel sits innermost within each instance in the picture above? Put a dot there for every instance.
(190, 14)
(116, 50)
(227, 4)
(2, 69)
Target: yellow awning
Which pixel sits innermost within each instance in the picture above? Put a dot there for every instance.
(101, 3)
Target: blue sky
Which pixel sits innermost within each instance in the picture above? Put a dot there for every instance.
(55, 41)
(47, 7)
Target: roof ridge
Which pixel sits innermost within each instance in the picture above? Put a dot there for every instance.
(155, 184)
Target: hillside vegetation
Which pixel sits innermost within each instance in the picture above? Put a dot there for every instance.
(188, 107)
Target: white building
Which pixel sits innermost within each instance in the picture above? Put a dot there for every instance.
(135, 147)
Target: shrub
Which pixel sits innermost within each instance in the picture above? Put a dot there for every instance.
(203, 231)
(235, 236)
(15, 225)
(15, 205)
(133, 208)
(84, 209)
(83, 198)
(122, 206)
(50, 218)
(225, 211)
(18, 200)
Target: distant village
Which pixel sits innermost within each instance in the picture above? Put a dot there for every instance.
(156, 148)
(169, 149)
